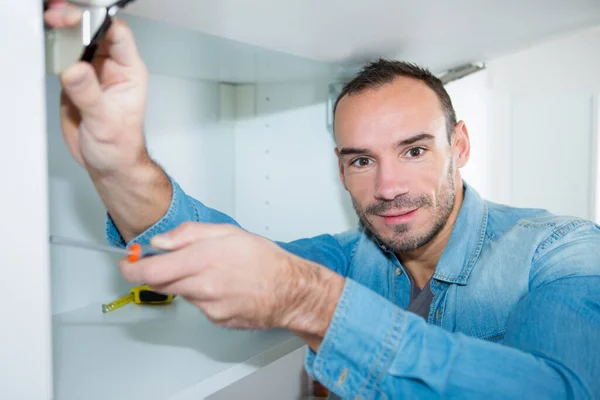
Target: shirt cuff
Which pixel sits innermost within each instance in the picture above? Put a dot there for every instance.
(360, 344)
(180, 210)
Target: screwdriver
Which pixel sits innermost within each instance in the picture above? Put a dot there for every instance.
(137, 295)
(134, 253)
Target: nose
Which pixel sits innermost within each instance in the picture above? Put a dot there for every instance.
(391, 181)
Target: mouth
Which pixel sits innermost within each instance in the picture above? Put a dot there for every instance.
(398, 216)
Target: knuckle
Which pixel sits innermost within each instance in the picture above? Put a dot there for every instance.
(150, 275)
(187, 228)
(126, 271)
(218, 315)
(230, 228)
(208, 289)
(188, 224)
(120, 22)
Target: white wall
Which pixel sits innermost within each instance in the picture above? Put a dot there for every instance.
(287, 182)
(543, 125)
(471, 100)
(533, 122)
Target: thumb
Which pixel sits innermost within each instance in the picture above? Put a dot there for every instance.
(81, 85)
(188, 233)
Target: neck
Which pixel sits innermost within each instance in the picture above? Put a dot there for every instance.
(421, 263)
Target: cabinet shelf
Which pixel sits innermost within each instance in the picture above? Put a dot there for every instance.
(155, 352)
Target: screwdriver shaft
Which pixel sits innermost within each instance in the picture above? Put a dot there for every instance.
(63, 241)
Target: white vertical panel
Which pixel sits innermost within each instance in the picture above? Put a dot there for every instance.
(25, 333)
(191, 139)
(552, 146)
(500, 147)
(287, 182)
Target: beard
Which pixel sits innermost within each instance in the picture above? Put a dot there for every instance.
(403, 240)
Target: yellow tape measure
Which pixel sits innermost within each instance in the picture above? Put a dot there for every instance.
(138, 295)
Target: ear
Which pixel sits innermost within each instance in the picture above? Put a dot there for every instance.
(341, 168)
(461, 145)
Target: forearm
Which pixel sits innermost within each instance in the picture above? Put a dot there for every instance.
(135, 199)
(311, 299)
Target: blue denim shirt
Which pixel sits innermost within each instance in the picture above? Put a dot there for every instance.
(515, 313)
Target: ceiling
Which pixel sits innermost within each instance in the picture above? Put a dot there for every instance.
(438, 34)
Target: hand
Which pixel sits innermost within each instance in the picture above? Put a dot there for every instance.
(103, 105)
(240, 280)
(102, 113)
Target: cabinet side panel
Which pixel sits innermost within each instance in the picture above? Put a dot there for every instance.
(25, 362)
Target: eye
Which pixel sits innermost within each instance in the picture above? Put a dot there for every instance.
(415, 152)
(361, 162)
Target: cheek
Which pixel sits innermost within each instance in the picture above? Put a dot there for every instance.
(425, 178)
(434, 173)
(361, 187)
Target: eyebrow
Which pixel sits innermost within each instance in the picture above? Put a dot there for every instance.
(416, 138)
(345, 151)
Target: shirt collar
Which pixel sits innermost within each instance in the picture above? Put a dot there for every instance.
(465, 243)
(466, 240)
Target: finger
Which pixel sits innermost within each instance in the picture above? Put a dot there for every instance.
(119, 44)
(162, 269)
(61, 14)
(81, 85)
(194, 288)
(70, 121)
(229, 314)
(190, 232)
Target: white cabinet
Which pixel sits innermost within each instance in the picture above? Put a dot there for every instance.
(25, 342)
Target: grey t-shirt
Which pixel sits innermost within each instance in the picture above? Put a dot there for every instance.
(420, 300)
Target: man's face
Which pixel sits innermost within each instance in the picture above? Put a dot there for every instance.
(396, 162)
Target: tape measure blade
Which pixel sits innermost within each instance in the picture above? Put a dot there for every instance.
(117, 303)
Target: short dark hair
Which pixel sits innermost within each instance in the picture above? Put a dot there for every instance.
(383, 71)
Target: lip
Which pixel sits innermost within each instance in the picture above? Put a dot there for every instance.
(398, 217)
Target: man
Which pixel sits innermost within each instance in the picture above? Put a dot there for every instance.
(439, 294)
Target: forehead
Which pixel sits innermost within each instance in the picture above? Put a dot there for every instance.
(389, 113)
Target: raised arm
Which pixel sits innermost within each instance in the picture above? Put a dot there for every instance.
(102, 113)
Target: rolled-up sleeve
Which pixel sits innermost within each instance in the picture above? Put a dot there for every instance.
(361, 342)
(376, 350)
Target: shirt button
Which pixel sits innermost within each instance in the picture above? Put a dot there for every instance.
(398, 271)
